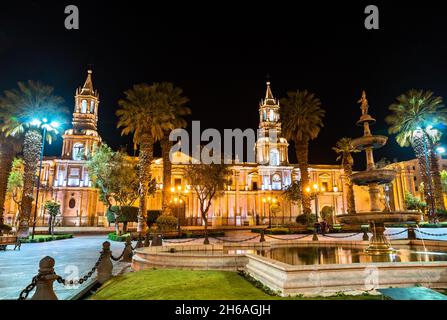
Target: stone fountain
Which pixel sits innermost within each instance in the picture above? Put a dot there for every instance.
(373, 177)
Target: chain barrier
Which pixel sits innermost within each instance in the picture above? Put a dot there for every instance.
(236, 241)
(395, 234)
(181, 241)
(341, 237)
(25, 292)
(118, 258)
(287, 239)
(431, 234)
(82, 279)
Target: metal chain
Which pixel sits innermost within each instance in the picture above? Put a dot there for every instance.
(183, 241)
(287, 239)
(82, 279)
(236, 241)
(117, 258)
(341, 237)
(394, 234)
(25, 292)
(431, 234)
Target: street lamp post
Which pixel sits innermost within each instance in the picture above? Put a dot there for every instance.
(178, 201)
(314, 192)
(269, 200)
(45, 128)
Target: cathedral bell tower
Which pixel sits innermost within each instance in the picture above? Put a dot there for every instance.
(271, 147)
(83, 137)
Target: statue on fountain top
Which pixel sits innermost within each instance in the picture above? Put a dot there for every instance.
(364, 104)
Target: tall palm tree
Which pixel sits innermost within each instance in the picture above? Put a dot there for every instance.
(8, 149)
(144, 112)
(345, 149)
(413, 117)
(176, 103)
(31, 103)
(302, 115)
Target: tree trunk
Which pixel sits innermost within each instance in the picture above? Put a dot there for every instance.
(347, 168)
(31, 152)
(144, 176)
(302, 154)
(6, 159)
(420, 150)
(167, 169)
(50, 224)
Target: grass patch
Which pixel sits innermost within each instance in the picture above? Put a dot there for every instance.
(46, 238)
(163, 284)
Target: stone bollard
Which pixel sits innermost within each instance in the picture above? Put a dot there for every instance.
(157, 240)
(262, 236)
(139, 242)
(44, 285)
(206, 241)
(146, 240)
(365, 235)
(105, 266)
(411, 233)
(128, 253)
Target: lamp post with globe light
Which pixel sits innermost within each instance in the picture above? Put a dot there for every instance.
(46, 127)
(313, 193)
(178, 194)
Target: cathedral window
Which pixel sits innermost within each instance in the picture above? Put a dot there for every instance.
(72, 203)
(264, 115)
(274, 157)
(276, 182)
(272, 116)
(78, 151)
(92, 107)
(84, 106)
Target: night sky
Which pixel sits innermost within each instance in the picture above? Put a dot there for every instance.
(221, 52)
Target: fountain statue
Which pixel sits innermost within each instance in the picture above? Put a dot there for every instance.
(373, 178)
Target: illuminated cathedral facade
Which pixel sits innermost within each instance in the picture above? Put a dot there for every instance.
(255, 189)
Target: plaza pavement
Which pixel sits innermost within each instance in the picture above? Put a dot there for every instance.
(17, 268)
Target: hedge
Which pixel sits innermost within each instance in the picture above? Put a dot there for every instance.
(130, 214)
(47, 238)
(122, 238)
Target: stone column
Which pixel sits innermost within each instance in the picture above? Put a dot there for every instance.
(374, 192)
(44, 286)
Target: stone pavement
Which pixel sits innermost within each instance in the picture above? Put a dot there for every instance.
(73, 256)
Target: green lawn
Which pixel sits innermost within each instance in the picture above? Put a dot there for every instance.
(189, 285)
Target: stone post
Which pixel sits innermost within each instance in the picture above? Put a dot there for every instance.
(411, 233)
(262, 236)
(127, 254)
(105, 266)
(365, 235)
(44, 286)
(146, 240)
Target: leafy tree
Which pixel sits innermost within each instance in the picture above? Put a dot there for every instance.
(345, 149)
(414, 203)
(293, 192)
(115, 175)
(207, 181)
(413, 118)
(302, 115)
(443, 174)
(32, 100)
(53, 208)
(15, 185)
(145, 113)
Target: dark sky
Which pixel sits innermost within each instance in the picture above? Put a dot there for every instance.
(221, 52)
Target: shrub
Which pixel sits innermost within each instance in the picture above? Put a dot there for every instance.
(166, 223)
(277, 231)
(128, 214)
(5, 228)
(113, 237)
(306, 219)
(47, 238)
(152, 216)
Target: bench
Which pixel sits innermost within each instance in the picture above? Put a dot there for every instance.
(9, 240)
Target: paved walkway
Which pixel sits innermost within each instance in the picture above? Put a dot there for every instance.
(73, 256)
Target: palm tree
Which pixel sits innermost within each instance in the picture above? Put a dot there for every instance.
(176, 103)
(413, 117)
(345, 149)
(30, 104)
(144, 112)
(9, 147)
(302, 115)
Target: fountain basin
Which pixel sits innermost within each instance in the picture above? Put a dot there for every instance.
(365, 142)
(380, 217)
(379, 176)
